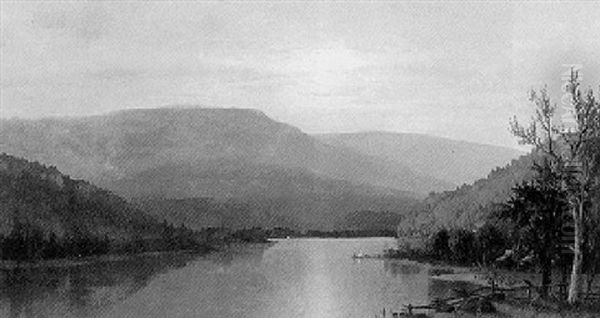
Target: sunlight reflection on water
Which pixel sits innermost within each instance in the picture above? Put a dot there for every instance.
(291, 278)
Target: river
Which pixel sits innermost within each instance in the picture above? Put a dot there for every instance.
(309, 278)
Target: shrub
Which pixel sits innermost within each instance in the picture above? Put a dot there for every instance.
(462, 246)
(491, 243)
(438, 245)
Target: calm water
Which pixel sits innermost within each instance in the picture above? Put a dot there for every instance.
(290, 278)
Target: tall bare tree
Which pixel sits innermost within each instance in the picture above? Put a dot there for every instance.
(580, 177)
(571, 148)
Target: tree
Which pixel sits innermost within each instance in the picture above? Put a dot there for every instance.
(581, 155)
(537, 209)
(439, 244)
(461, 244)
(491, 242)
(569, 149)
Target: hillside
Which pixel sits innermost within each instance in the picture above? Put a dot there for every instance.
(109, 148)
(45, 214)
(456, 162)
(323, 211)
(262, 195)
(280, 175)
(468, 206)
(40, 196)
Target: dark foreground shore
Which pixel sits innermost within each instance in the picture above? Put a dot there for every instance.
(480, 277)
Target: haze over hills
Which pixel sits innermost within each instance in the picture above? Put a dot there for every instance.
(120, 145)
(470, 205)
(284, 177)
(457, 162)
(237, 167)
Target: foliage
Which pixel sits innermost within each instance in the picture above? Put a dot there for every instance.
(468, 206)
(570, 150)
(462, 245)
(27, 242)
(491, 243)
(438, 244)
(458, 246)
(538, 208)
(253, 235)
(48, 215)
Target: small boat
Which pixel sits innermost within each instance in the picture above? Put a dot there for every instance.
(359, 255)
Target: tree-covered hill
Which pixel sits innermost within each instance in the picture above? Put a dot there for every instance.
(468, 206)
(274, 174)
(45, 214)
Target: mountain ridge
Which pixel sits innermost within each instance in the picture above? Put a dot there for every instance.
(112, 146)
(455, 161)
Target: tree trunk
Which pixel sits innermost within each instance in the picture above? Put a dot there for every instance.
(565, 280)
(590, 281)
(546, 276)
(577, 254)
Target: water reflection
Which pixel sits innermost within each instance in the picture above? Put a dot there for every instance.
(434, 288)
(292, 278)
(401, 268)
(79, 291)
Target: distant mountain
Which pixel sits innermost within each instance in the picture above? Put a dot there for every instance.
(469, 206)
(42, 197)
(120, 146)
(365, 220)
(262, 195)
(457, 162)
(299, 212)
(274, 173)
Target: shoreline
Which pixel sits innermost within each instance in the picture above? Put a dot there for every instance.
(506, 279)
(9, 265)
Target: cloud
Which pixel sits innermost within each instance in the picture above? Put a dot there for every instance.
(323, 66)
(86, 22)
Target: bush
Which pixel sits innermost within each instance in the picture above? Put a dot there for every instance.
(462, 246)
(438, 245)
(491, 243)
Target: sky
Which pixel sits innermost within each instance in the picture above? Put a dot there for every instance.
(452, 69)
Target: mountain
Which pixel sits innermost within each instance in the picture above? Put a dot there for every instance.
(122, 145)
(40, 196)
(280, 175)
(456, 162)
(470, 205)
(298, 212)
(260, 196)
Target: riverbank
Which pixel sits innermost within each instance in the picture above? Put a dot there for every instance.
(9, 265)
(507, 279)
(81, 261)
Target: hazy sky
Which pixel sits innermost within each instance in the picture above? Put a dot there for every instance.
(458, 70)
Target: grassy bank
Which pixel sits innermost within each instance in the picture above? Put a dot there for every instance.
(517, 303)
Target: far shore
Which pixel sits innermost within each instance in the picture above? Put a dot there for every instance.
(80, 261)
(7, 265)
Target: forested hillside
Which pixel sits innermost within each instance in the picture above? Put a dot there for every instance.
(260, 171)
(45, 214)
(468, 206)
